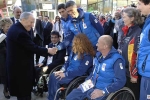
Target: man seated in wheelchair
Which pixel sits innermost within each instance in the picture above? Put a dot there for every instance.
(79, 61)
(51, 61)
(108, 74)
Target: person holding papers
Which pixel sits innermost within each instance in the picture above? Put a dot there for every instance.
(5, 24)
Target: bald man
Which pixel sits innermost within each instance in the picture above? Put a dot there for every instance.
(17, 12)
(109, 66)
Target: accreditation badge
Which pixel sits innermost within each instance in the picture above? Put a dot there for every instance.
(84, 26)
(103, 67)
(88, 84)
(76, 57)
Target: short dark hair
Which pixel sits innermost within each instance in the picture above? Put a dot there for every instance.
(133, 5)
(47, 17)
(70, 3)
(146, 2)
(61, 6)
(55, 33)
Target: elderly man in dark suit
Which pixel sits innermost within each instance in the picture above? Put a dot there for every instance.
(47, 30)
(20, 57)
(17, 12)
(38, 36)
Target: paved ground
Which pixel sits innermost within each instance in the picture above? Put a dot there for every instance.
(33, 96)
(14, 98)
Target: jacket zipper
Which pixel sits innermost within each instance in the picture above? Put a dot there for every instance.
(144, 64)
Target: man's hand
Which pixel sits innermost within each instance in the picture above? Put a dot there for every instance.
(55, 48)
(120, 51)
(41, 64)
(45, 69)
(96, 94)
(133, 80)
(60, 75)
(57, 73)
(52, 51)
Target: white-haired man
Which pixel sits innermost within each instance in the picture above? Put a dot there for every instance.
(20, 57)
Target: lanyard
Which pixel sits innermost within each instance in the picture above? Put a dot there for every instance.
(75, 25)
(97, 72)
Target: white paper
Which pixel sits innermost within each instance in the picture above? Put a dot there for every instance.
(2, 37)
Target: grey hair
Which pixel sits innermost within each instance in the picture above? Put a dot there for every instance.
(5, 21)
(17, 7)
(25, 15)
(133, 12)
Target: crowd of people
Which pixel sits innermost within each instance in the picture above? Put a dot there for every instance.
(114, 51)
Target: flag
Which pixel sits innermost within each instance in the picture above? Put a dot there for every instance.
(132, 58)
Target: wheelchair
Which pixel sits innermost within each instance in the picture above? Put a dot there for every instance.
(67, 88)
(123, 94)
(42, 85)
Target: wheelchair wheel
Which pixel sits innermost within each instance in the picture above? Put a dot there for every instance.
(57, 68)
(74, 84)
(123, 94)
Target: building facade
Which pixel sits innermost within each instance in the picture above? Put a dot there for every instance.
(48, 7)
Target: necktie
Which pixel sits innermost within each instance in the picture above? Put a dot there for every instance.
(45, 23)
(17, 21)
(54, 45)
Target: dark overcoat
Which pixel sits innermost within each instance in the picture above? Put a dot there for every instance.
(20, 60)
(2, 61)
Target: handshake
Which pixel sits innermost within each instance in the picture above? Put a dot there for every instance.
(52, 51)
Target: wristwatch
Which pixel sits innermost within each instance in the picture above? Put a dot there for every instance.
(103, 92)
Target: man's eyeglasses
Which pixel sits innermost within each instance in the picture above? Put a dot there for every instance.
(54, 37)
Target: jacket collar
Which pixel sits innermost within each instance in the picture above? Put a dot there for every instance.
(80, 17)
(129, 29)
(111, 52)
(66, 19)
(1, 31)
(147, 21)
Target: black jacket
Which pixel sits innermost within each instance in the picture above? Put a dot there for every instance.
(58, 58)
(46, 32)
(20, 60)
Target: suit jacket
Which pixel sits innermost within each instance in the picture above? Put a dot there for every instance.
(38, 39)
(58, 58)
(20, 60)
(47, 31)
(39, 29)
(13, 20)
